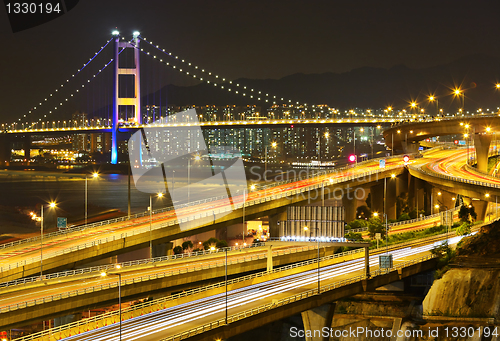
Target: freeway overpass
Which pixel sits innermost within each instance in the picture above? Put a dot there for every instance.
(479, 128)
(82, 245)
(24, 301)
(340, 122)
(252, 300)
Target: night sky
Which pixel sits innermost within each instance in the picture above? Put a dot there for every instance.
(250, 39)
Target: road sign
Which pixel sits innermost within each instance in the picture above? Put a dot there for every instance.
(378, 236)
(385, 261)
(381, 163)
(62, 222)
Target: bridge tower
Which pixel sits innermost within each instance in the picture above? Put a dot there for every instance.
(119, 101)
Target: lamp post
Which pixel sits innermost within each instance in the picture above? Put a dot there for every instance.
(317, 239)
(51, 205)
(432, 99)
(160, 195)
(104, 274)
(94, 175)
(459, 92)
(245, 192)
(226, 282)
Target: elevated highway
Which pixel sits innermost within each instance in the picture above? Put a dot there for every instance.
(256, 299)
(63, 251)
(478, 129)
(27, 301)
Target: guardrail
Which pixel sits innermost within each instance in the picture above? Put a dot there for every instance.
(461, 118)
(455, 178)
(47, 236)
(267, 196)
(101, 268)
(243, 259)
(182, 294)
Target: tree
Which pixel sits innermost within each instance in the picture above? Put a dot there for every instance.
(369, 200)
(178, 250)
(187, 245)
(356, 224)
(463, 229)
(363, 212)
(467, 214)
(375, 226)
(209, 243)
(220, 244)
(353, 236)
(404, 216)
(402, 203)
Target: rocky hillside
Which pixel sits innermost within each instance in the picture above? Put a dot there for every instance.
(471, 288)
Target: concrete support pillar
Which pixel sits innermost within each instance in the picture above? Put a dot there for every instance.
(377, 197)
(480, 207)
(273, 222)
(350, 204)
(160, 250)
(318, 318)
(419, 193)
(410, 147)
(391, 198)
(482, 145)
(428, 199)
(269, 258)
(401, 188)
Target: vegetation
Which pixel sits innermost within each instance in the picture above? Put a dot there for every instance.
(214, 242)
(375, 226)
(356, 224)
(445, 254)
(209, 243)
(467, 214)
(178, 250)
(187, 245)
(463, 229)
(363, 212)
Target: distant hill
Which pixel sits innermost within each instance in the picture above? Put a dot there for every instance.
(366, 87)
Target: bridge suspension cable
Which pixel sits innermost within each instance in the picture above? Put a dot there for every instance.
(251, 92)
(72, 77)
(69, 79)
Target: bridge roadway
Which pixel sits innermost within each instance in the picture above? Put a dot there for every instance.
(268, 123)
(256, 302)
(450, 172)
(24, 301)
(140, 272)
(80, 247)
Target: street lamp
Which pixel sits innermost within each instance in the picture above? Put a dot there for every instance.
(459, 92)
(159, 195)
(95, 176)
(104, 274)
(51, 205)
(432, 99)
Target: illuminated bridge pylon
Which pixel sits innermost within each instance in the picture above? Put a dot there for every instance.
(123, 101)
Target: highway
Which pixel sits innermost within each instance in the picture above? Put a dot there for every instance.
(16, 296)
(171, 321)
(29, 252)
